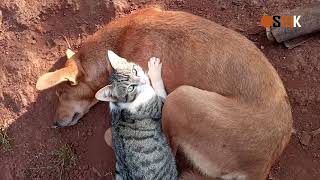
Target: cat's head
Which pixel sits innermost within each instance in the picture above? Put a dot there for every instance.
(128, 80)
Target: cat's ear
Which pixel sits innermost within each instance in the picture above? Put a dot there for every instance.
(115, 60)
(104, 94)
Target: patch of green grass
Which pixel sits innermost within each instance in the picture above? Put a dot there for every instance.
(66, 158)
(5, 141)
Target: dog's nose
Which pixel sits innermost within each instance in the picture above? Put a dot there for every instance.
(55, 124)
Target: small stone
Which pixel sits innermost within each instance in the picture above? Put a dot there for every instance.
(315, 132)
(270, 177)
(50, 43)
(89, 133)
(304, 110)
(83, 134)
(24, 101)
(86, 167)
(69, 2)
(292, 67)
(236, 2)
(79, 40)
(83, 27)
(262, 47)
(95, 171)
(76, 172)
(305, 138)
(31, 39)
(40, 29)
(255, 2)
(42, 174)
(121, 5)
(1, 96)
(11, 102)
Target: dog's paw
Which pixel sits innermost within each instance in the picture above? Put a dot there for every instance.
(155, 67)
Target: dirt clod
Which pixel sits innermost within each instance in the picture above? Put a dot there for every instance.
(305, 138)
(292, 67)
(315, 132)
(50, 43)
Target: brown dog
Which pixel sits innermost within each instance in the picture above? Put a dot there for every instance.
(232, 120)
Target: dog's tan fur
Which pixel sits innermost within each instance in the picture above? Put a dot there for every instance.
(235, 127)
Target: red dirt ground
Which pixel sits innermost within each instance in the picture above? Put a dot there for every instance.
(31, 41)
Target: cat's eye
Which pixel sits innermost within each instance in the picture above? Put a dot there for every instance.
(131, 88)
(134, 71)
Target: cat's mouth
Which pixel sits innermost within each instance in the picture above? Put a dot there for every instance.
(143, 81)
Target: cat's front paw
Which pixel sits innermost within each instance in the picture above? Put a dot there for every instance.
(155, 67)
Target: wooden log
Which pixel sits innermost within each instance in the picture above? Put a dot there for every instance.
(292, 43)
(309, 21)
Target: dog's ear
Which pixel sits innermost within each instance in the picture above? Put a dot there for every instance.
(104, 94)
(115, 60)
(69, 73)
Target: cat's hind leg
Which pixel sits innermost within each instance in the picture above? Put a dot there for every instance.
(117, 173)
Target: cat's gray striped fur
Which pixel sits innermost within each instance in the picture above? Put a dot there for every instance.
(140, 147)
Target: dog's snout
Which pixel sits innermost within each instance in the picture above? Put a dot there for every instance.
(75, 116)
(55, 124)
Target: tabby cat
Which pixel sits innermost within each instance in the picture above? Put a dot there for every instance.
(140, 146)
